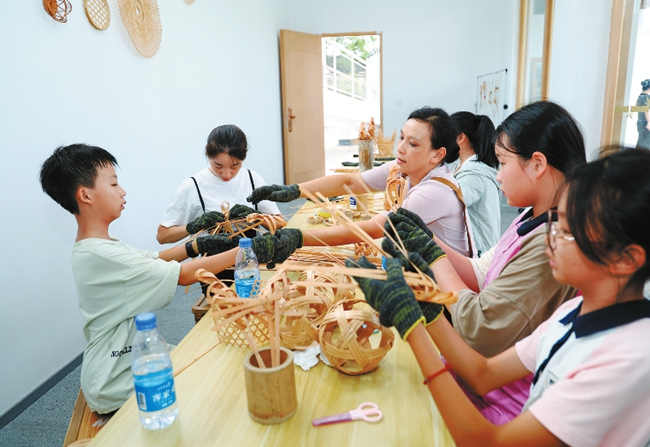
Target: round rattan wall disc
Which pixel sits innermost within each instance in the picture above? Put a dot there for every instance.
(98, 13)
(142, 21)
(189, 2)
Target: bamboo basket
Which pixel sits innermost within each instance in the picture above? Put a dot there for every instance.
(385, 145)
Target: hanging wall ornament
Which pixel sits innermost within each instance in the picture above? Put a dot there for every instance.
(98, 13)
(58, 9)
(142, 21)
(189, 2)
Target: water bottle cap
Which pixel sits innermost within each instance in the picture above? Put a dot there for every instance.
(145, 321)
(245, 242)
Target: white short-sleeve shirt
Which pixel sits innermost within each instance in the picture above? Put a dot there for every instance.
(186, 205)
(115, 282)
(433, 201)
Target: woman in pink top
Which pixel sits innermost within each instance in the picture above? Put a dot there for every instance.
(427, 140)
(589, 361)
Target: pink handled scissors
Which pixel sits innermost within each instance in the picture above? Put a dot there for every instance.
(367, 411)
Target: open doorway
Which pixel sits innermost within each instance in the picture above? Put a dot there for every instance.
(351, 92)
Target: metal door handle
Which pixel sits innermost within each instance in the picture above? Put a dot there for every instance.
(291, 118)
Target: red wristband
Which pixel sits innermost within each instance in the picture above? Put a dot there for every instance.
(436, 374)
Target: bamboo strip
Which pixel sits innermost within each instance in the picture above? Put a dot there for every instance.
(252, 345)
(180, 370)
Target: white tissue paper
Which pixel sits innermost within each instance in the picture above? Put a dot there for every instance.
(309, 357)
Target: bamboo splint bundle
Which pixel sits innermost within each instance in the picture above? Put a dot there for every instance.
(335, 255)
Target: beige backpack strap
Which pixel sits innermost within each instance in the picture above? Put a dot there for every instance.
(459, 194)
(395, 189)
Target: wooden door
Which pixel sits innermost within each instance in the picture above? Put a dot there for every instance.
(301, 75)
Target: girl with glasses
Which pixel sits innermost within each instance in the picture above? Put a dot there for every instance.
(589, 360)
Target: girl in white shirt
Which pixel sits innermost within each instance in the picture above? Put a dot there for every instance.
(223, 180)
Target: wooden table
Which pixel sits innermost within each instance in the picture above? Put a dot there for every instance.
(213, 408)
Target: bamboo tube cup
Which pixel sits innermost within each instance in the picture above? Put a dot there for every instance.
(270, 391)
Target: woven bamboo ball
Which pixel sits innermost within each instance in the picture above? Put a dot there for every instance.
(345, 337)
(305, 306)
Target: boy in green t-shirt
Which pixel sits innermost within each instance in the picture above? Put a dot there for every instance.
(115, 281)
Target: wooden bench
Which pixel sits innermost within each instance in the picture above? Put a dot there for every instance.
(200, 308)
(84, 423)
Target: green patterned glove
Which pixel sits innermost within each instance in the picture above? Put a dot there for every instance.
(240, 211)
(275, 193)
(207, 220)
(213, 244)
(406, 216)
(264, 247)
(289, 240)
(431, 311)
(416, 240)
(393, 298)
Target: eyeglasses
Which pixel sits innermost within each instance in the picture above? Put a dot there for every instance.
(553, 231)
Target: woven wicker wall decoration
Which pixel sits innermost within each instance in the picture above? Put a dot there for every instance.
(142, 21)
(58, 9)
(98, 13)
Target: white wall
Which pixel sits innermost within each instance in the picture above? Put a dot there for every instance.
(431, 55)
(68, 83)
(579, 63)
(218, 63)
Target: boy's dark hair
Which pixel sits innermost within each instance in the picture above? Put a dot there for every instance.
(544, 127)
(608, 205)
(479, 130)
(442, 129)
(70, 167)
(229, 139)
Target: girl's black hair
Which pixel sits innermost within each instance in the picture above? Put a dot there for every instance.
(544, 127)
(442, 130)
(479, 130)
(229, 139)
(608, 207)
(70, 167)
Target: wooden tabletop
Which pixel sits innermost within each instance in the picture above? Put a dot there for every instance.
(213, 410)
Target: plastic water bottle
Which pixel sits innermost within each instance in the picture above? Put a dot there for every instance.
(247, 269)
(152, 375)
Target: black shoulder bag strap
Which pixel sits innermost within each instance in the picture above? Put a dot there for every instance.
(199, 191)
(250, 176)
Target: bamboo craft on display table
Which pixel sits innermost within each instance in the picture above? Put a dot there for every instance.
(385, 145)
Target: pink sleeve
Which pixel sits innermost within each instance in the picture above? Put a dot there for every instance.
(376, 177)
